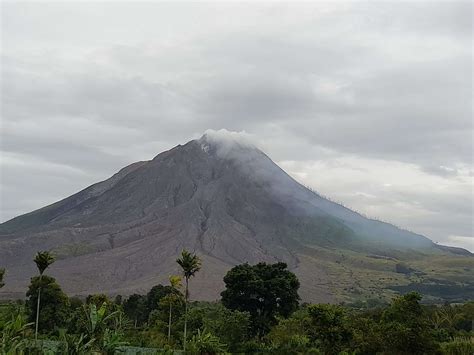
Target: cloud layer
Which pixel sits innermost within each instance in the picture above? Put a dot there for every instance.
(368, 103)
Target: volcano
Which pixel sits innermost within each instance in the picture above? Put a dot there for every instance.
(224, 199)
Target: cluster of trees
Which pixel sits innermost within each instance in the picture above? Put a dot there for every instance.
(259, 312)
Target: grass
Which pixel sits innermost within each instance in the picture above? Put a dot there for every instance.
(356, 276)
(459, 346)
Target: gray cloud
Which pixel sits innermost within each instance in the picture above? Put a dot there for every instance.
(90, 87)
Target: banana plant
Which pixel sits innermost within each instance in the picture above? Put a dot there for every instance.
(111, 340)
(206, 343)
(96, 319)
(13, 335)
(75, 344)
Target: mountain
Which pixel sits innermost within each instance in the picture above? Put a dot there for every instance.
(226, 200)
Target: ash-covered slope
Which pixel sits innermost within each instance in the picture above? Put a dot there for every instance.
(222, 198)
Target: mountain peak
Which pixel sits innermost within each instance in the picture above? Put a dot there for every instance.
(223, 136)
(223, 142)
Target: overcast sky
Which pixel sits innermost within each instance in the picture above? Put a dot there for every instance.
(369, 103)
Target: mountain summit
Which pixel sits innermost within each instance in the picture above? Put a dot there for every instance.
(226, 200)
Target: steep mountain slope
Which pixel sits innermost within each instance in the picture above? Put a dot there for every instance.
(230, 203)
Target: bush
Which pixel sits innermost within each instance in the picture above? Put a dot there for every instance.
(287, 330)
(296, 344)
(150, 338)
(13, 336)
(459, 346)
(205, 343)
(405, 326)
(330, 327)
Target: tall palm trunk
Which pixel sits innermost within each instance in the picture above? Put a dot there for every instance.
(169, 325)
(185, 313)
(38, 308)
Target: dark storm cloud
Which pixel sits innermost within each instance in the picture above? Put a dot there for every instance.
(89, 88)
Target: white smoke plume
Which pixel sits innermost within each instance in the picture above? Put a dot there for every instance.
(227, 143)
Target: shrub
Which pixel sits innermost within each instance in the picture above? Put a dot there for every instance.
(458, 346)
(205, 343)
(330, 327)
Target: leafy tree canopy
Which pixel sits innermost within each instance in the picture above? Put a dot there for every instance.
(54, 303)
(155, 295)
(405, 326)
(231, 326)
(135, 308)
(190, 263)
(97, 299)
(42, 260)
(330, 327)
(263, 290)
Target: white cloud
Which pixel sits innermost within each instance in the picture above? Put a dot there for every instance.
(400, 193)
(460, 241)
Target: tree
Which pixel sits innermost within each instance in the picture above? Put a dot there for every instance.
(296, 327)
(54, 303)
(263, 290)
(135, 308)
(75, 303)
(466, 315)
(367, 335)
(190, 264)
(231, 326)
(2, 274)
(154, 296)
(43, 260)
(118, 300)
(98, 299)
(330, 327)
(173, 298)
(405, 326)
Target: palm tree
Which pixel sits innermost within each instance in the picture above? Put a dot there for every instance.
(173, 297)
(42, 260)
(2, 273)
(191, 264)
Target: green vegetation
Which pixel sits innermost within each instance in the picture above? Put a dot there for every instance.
(354, 276)
(43, 260)
(2, 274)
(54, 303)
(265, 291)
(259, 313)
(190, 264)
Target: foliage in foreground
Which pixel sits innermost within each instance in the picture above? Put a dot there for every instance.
(259, 313)
(214, 329)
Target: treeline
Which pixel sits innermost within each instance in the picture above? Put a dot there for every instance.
(259, 312)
